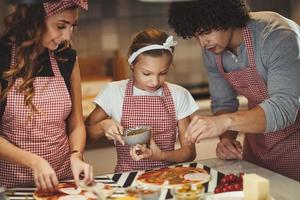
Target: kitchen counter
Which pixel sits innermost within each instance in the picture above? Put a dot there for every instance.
(281, 188)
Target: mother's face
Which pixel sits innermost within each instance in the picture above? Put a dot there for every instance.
(59, 28)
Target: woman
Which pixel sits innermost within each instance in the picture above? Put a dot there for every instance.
(42, 132)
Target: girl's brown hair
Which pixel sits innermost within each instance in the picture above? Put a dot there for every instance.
(24, 28)
(148, 37)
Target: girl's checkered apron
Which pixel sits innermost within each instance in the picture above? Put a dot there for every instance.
(155, 111)
(43, 133)
(278, 151)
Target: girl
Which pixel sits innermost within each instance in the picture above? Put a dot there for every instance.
(42, 131)
(146, 99)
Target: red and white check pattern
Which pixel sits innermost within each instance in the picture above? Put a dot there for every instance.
(278, 151)
(54, 7)
(43, 133)
(155, 111)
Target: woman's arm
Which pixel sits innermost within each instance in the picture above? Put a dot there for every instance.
(43, 174)
(76, 130)
(75, 125)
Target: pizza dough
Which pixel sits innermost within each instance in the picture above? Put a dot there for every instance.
(174, 176)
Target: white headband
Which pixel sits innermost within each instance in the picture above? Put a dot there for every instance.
(170, 42)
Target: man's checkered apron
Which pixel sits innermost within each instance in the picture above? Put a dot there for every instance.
(43, 133)
(155, 111)
(278, 151)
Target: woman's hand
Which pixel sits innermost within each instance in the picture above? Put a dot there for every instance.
(79, 167)
(202, 127)
(113, 130)
(140, 152)
(228, 149)
(43, 174)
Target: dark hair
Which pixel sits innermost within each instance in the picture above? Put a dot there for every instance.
(190, 18)
(25, 28)
(148, 37)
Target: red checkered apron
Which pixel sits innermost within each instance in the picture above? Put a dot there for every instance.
(43, 133)
(278, 151)
(155, 111)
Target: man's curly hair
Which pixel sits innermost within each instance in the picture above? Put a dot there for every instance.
(190, 18)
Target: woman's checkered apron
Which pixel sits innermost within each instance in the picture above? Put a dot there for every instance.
(155, 111)
(278, 151)
(43, 133)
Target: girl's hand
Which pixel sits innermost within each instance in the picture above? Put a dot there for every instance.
(79, 167)
(229, 149)
(139, 152)
(113, 130)
(44, 175)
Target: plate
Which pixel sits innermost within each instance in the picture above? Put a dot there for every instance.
(202, 177)
(73, 197)
(239, 195)
(100, 189)
(70, 190)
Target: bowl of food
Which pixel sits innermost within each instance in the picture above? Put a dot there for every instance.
(144, 192)
(137, 135)
(188, 192)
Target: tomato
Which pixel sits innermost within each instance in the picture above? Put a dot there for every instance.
(230, 182)
(217, 190)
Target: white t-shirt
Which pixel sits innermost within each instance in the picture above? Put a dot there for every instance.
(110, 99)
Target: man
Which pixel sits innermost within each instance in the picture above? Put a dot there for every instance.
(252, 54)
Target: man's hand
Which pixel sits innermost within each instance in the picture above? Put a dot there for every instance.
(229, 149)
(202, 127)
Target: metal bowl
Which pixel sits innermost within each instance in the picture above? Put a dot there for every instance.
(137, 135)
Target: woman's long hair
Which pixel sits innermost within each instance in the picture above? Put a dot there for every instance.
(25, 28)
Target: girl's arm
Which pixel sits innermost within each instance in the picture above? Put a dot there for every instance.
(187, 151)
(93, 125)
(98, 124)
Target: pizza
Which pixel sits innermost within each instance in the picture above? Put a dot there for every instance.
(65, 191)
(174, 176)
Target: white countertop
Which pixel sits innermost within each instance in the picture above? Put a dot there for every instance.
(281, 187)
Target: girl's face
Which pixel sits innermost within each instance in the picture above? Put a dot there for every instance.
(59, 28)
(149, 73)
(215, 41)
